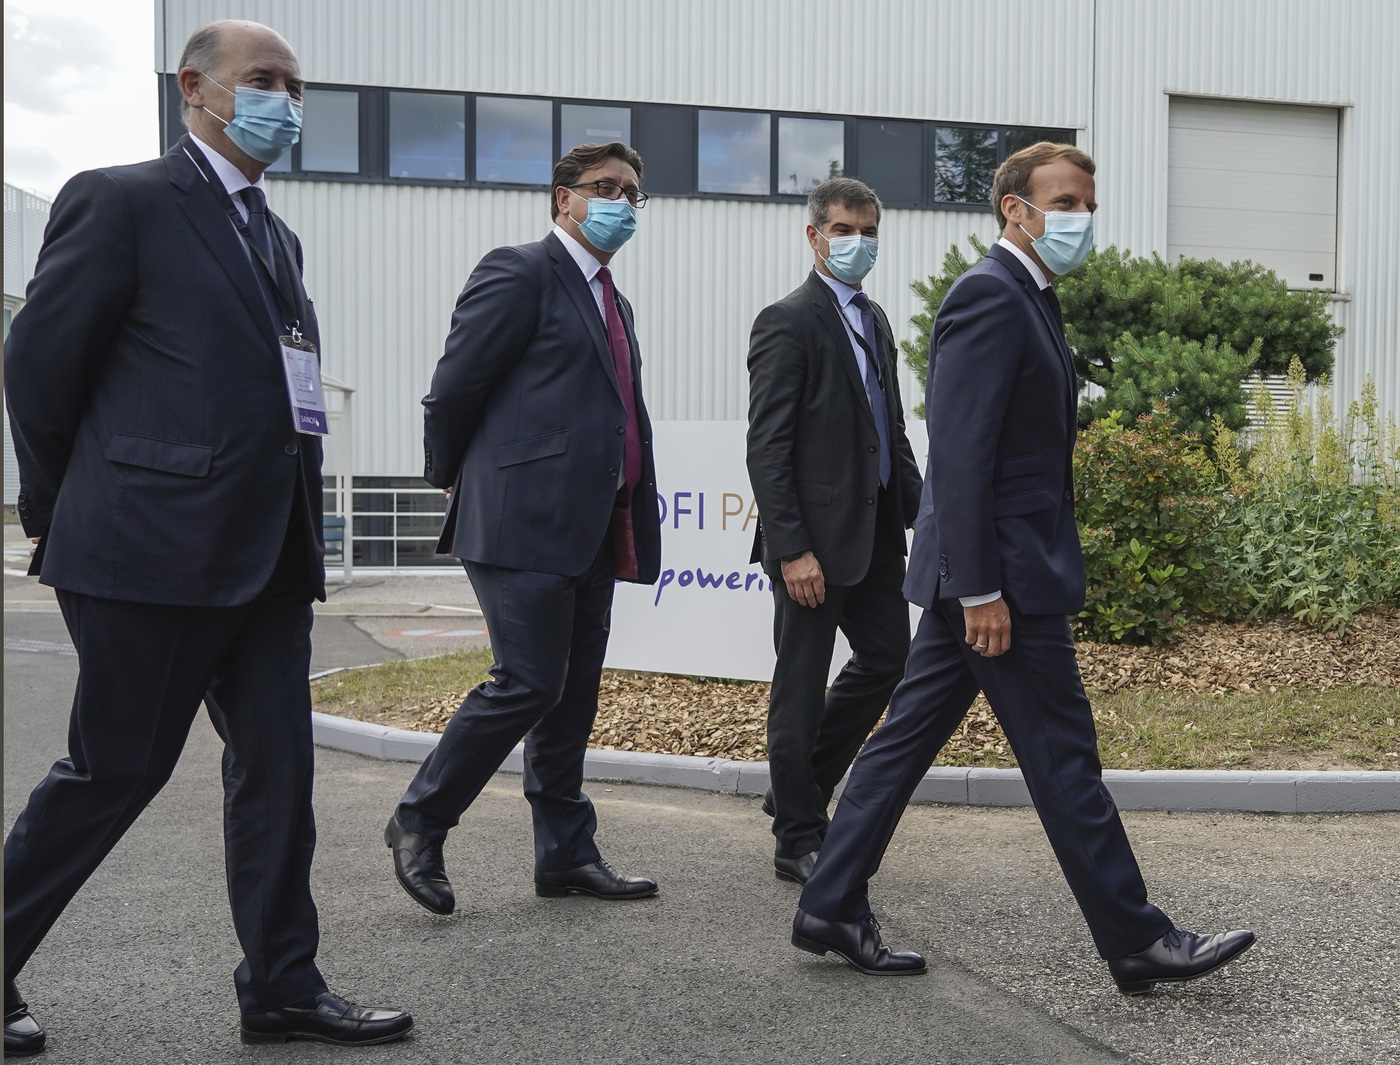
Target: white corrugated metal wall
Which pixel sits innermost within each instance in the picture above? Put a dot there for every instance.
(385, 263)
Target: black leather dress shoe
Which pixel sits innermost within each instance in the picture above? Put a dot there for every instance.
(1178, 955)
(768, 807)
(331, 1020)
(23, 1036)
(418, 865)
(856, 941)
(795, 869)
(600, 880)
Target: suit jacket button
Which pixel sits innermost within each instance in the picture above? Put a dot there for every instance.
(621, 430)
(870, 499)
(612, 472)
(20, 498)
(871, 448)
(1069, 496)
(290, 449)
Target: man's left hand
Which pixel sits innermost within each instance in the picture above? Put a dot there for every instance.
(988, 628)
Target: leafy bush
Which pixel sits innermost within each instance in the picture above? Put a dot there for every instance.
(1146, 330)
(1149, 509)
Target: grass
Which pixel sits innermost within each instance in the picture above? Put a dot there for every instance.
(1289, 729)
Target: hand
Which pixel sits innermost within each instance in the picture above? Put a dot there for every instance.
(447, 492)
(804, 580)
(988, 628)
(35, 541)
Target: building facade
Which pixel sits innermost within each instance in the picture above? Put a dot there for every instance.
(26, 215)
(1260, 129)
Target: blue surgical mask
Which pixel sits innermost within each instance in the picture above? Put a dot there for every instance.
(265, 124)
(1069, 237)
(850, 258)
(610, 223)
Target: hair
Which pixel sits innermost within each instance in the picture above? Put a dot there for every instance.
(1013, 177)
(848, 192)
(579, 160)
(202, 54)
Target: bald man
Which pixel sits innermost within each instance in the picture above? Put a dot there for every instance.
(171, 480)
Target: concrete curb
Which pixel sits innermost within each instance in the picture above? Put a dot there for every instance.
(1263, 791)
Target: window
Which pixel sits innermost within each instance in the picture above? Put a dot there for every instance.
(1024, 136)
(891, 159)
(734, 152)
(514, 140)
(810, 150)
(330, 136)
(592, 124)
(427, 136)
(964, 160)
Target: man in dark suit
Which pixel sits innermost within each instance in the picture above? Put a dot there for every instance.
(996, 565)
(536, 424)
(178, 515)
(836, 485)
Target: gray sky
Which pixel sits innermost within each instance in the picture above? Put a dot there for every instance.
(80, 88)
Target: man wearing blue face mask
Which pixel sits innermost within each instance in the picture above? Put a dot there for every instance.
(836, 485)
(171, 474)
(536, 425)
(996, 566)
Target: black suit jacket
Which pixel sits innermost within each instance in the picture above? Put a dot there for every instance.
(157, 453)
(525, 422)
(998, 503)
(813, 449)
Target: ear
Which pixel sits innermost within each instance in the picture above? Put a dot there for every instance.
(561, 199)
(812, 235)
(191, 87)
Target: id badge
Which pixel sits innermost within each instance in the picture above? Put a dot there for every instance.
(303, 371)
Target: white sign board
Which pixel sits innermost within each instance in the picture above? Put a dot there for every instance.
(711, 613)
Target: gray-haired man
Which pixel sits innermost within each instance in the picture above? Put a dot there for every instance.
(836, 485)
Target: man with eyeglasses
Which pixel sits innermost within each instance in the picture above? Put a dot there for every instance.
(536, 426)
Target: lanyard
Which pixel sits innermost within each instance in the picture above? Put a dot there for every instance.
(289, 309)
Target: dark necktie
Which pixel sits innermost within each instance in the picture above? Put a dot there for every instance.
(622, 363)
(258, 229)
(1054, 301)
(874, 387)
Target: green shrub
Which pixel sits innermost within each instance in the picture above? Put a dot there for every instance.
(1129, 321)
(1148, 505)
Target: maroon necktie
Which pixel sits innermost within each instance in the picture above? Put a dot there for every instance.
(622, 362)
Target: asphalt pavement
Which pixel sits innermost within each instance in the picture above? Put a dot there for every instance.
(140, 967)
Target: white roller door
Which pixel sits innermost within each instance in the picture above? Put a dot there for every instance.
(1254, 181)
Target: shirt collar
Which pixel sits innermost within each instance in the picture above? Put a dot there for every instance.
(234, 179)
(844, 292)
(1037, 274)
(586, 260)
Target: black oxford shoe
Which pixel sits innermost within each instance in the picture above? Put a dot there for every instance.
(599, 879)
(1179, 955)
(856, 941)
(795, 869)
(331, 1020)
(418, 865)
(23, 1036)
(768, 807)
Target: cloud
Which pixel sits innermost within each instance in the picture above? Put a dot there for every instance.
(32, 166)
(49, 58)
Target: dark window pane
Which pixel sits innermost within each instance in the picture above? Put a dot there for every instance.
(1019, 137)
(890, 158)
(374, 552)
(422, 553)
(735, 150)
(810, 150)
(666, 139)
(420, 525)
(421, 503)
(587, 124)
(427, 136)
(964, 161)
(514, 140)
(383, 526)
(330, 137)
(373, 502)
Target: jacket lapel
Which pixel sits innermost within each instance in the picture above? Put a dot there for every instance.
(825, 302)
(587, 306)
(1033, 294)
(201, 206)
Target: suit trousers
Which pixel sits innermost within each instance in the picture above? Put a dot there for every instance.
(1036, 692)
(814, 732)
(549, 635)
(143, 670)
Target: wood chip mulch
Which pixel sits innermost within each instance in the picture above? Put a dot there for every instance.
(681, 715)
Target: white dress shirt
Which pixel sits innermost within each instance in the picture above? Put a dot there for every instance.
(851, 317)
(233, 179)
(590, 266)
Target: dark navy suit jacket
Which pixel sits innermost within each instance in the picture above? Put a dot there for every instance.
(525, 422)
(157, 454)
(998, 502)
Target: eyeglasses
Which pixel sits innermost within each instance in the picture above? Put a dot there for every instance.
(611, 190)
